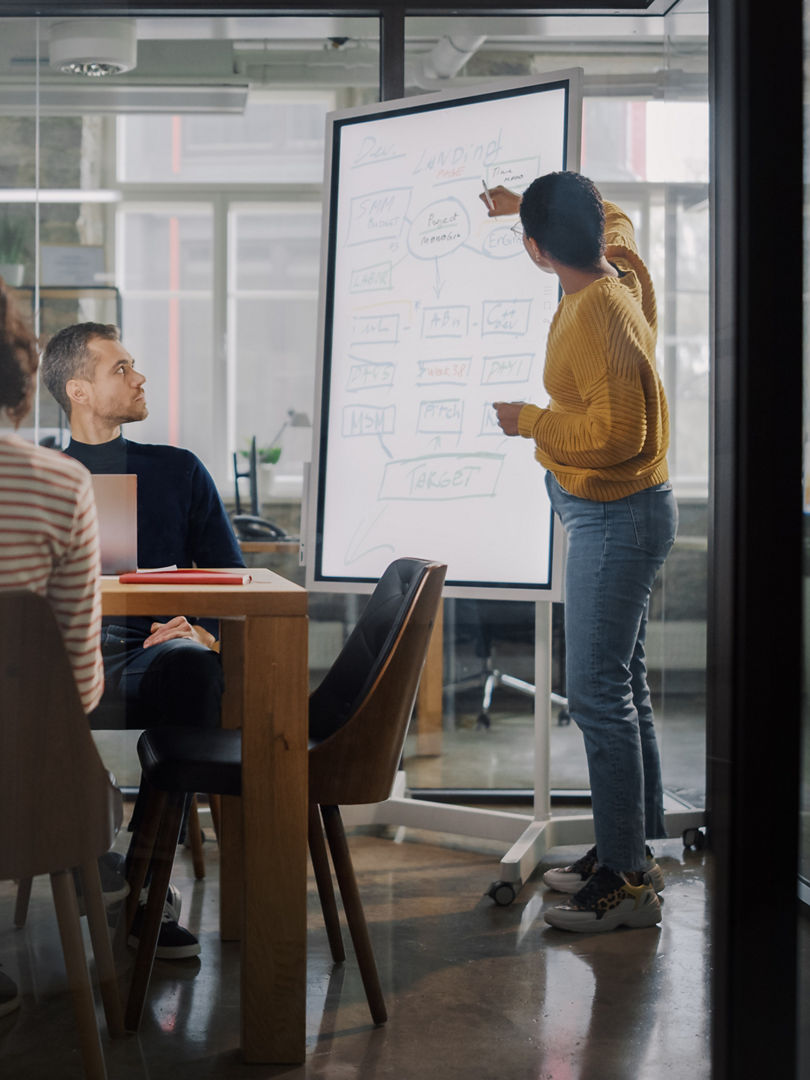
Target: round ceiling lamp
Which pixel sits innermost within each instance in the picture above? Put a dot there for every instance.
(93, 47)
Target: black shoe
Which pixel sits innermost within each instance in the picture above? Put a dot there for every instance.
(570, 879)
(114, 885)
(174, 900)
(174, 941)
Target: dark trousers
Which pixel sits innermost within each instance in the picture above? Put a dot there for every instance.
(178, 682)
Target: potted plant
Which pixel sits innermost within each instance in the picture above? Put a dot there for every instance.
(12, 250)
(266, 458)
(265, 455)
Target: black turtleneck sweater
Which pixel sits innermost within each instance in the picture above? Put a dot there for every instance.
(181, 519)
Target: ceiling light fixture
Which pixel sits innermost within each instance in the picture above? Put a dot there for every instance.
(93, 47)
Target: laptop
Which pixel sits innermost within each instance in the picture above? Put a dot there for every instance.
(117, 507)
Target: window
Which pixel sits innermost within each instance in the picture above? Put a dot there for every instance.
(274, 265)
(277, 139)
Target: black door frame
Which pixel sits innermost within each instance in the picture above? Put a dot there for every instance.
(755, 609)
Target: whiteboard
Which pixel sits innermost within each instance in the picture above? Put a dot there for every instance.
(430, 311)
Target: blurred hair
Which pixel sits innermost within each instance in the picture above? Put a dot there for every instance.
(67, 356)
(563, 213)
(18, 358)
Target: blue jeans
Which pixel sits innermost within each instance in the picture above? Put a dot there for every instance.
(615, 550)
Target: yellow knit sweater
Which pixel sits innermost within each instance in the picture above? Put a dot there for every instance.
(606, 432)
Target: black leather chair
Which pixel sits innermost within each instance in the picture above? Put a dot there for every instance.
(358, 719)
(485, 624)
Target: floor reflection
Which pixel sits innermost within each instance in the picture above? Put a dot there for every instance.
(474, 991)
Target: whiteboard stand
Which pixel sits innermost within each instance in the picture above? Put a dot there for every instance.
(529, 837)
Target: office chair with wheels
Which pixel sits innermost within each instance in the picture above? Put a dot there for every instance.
(358, 719)
(59, 808)
(485, 624)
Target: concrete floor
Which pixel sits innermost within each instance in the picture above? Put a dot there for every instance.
(473, 990)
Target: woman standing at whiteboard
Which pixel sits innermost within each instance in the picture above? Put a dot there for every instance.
(603, 440)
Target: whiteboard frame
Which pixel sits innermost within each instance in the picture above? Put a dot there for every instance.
(573, 139)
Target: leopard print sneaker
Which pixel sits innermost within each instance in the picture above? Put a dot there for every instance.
(606, 902)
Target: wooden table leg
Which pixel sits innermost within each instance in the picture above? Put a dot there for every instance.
(431, 689)
(232, 637)
(274, 812)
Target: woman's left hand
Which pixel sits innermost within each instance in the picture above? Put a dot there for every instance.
(508, 413)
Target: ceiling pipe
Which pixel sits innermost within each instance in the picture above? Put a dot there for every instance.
(447, 57)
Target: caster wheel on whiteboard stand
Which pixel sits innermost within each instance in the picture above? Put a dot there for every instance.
(483, 722)
(694, 839)
(502, 892)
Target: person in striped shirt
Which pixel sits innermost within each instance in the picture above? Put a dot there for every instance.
(48, 529)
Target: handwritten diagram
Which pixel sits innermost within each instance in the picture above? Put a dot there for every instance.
(434, 312)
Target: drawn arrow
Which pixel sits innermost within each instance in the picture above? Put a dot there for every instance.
(385, 448)
(355, 551)
(438, 284)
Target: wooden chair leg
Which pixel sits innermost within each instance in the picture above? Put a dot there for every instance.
(67, 914)
(102, 947)
(214, 805)
(323, 879)
(347, 882)
(195, 840)
(21, 906)
(139, 859)
(162, 863)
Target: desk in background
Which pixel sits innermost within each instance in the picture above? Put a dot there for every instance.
(271, 547)
(263, 866)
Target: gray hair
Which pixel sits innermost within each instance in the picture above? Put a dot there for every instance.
(67, 356)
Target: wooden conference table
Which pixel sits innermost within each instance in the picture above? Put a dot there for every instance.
(264, 834)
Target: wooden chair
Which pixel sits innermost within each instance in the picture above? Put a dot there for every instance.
(59, 808)
(195, 835)
(358, 719)
(109, 718)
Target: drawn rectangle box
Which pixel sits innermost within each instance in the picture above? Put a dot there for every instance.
(505, 317)
(444, 417)
(439, 477)
(371, 278)
(370, 375)
(507, 368)
(375, 329)
(451, 370)
(445, 322)
(368, 420)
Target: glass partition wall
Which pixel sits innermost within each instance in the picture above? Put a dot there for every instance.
(803, 987)
(645, 143)
(182, 200)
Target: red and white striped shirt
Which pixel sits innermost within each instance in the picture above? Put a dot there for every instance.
(49, 544)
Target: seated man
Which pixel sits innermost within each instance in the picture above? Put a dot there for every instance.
(50, 537)
(162, 671)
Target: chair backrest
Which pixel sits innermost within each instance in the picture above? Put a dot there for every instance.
(361, 710)
(58, 806)
(486, 622)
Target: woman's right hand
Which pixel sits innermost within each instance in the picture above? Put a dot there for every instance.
(504, 201)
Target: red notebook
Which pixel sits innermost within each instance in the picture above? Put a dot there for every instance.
(185, 577)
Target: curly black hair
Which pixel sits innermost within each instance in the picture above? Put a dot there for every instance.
(563, 213)
(18, 358)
